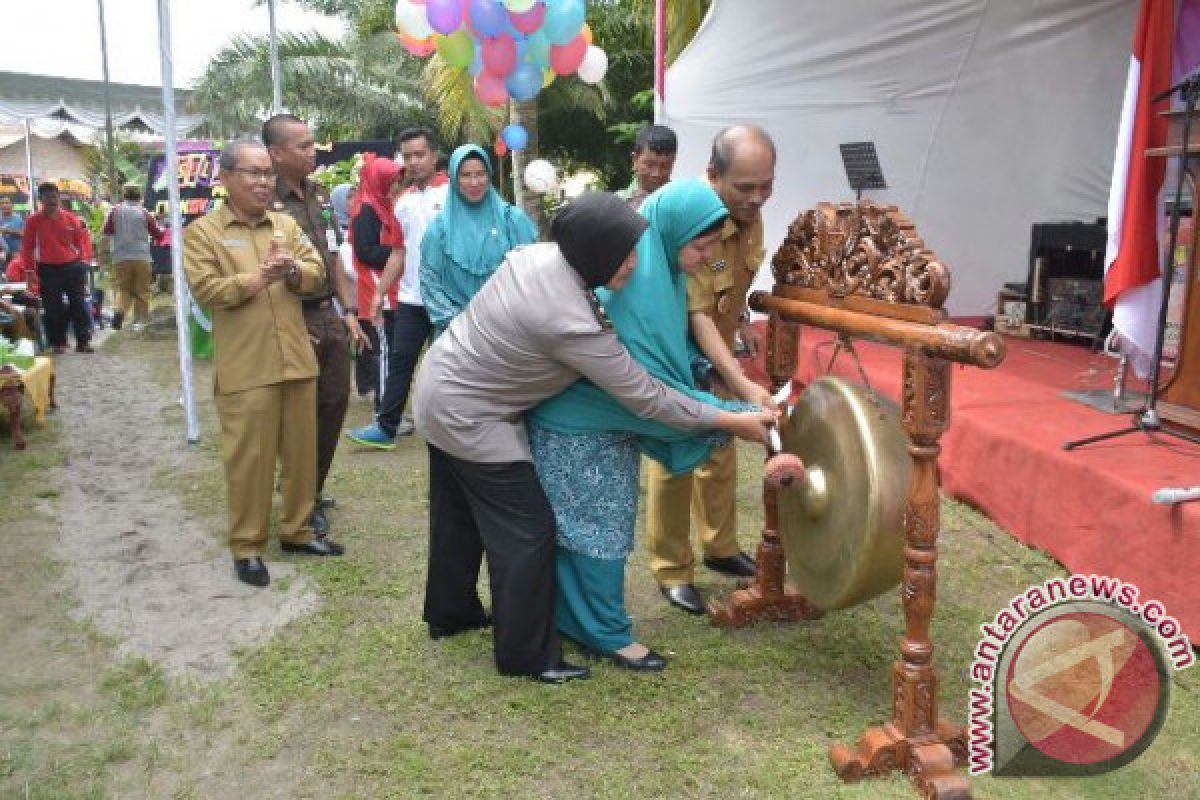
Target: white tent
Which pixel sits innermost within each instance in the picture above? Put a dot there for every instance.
(988, 116)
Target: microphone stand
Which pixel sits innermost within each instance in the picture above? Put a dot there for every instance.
(1147, 418)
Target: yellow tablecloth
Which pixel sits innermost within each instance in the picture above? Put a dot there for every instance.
(38, 381)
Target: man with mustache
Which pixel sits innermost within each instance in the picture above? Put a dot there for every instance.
(742, 170)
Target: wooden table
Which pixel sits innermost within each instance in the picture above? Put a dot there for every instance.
(36, 383)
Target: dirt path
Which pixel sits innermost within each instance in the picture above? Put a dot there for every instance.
(146, 572)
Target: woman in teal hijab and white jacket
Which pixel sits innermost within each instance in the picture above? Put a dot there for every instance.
(587, 449)
(467, 242)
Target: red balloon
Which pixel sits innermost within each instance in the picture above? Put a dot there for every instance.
(490, 89)
(566, 58)
(418, 47)
(500, 147)
(499, 55)
(531, 20)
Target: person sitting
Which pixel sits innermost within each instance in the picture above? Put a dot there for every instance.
(467, 242)
(587, 448)
(531, 331)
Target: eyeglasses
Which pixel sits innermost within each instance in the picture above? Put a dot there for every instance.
(255, 174)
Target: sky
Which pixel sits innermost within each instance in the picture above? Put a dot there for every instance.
(62, 37)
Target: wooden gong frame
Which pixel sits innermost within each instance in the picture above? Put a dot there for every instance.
(861, 270)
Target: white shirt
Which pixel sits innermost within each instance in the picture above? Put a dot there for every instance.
(415, 209)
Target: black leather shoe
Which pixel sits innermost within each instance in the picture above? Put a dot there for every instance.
(738, 566)
(684, 596)
(319, 523)
(651, 662)
(563, 672)
(440, 632)
(252, 571)
(315, 547)
(324, 501)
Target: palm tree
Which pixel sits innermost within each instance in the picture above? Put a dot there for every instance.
(683, 20)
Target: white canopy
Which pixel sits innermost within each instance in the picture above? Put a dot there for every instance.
(987, 116)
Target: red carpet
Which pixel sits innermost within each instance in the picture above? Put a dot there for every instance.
(1089, 508)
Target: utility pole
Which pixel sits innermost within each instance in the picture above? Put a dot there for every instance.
(111, 146)
(276, 73)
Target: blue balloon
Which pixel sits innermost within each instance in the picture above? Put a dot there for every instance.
(488, 17)
(525, 82)
(537, 49)
(564, 20)
(515, 136)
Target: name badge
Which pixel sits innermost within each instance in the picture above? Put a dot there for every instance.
(236, 244)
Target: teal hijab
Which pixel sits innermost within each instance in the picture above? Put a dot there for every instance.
(650, 317)
(476, 236)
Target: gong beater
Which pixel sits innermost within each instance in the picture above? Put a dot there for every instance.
(843, 529)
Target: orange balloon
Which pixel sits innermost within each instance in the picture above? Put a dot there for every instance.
(587, 33)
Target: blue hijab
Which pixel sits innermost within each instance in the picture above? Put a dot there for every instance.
(339, 198)
(650, 317)
(477, 236)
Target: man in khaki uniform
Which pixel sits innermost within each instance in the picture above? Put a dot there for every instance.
(249, 266)
(742, 170)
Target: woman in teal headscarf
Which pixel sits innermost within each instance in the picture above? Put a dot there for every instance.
(467, 242)
(587, 448)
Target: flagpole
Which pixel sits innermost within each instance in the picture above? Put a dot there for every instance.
(660, 61)
(183, 301)
(276, 72)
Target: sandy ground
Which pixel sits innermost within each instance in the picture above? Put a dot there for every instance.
(144, 571)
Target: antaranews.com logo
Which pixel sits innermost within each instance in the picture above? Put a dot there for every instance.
(1073, 677)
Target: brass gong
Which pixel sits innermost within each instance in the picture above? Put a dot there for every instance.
(843, 531)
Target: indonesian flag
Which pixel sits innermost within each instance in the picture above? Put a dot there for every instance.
(1132, 283)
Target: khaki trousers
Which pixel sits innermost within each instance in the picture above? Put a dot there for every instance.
(706, 498)
(259, 427)
(133, 279)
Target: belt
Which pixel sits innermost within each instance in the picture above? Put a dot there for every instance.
(314, 303)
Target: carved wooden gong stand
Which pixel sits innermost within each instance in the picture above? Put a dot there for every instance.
(862, 271)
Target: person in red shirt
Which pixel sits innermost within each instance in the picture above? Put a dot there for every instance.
(58, 242)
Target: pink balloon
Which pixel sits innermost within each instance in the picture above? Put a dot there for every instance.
(490, 89)
(418, 47)
(531, 20)
(499, 55)
(566, 58)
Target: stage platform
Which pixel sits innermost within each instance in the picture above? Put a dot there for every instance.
(1089, 508)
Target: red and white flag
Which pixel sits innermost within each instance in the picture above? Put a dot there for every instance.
(1132, 282)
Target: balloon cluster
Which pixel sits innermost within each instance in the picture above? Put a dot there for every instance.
(512, 48)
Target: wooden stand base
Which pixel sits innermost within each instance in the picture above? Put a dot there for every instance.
(766, 598)
(929, 760)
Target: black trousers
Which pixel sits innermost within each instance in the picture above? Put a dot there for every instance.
(500, 510)
(71, 280)
(331, 344)
(366, 364)
(410, 331)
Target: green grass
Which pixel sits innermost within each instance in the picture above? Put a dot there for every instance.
(356, 702)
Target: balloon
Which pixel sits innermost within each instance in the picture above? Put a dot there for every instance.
(500, 147)
(411, 20)
(541, 176)
(531, 20)
(515, 136)
(458, 48)
(594, 66)
(490, 89)
(476, 63)
(519, 6)
(566, 58)
(537, 49)
(445, 16)
(525, 81)
(488, 17)
(587, 33)
(499, 55)
(418, 47)
(548, 76)
(564, 19)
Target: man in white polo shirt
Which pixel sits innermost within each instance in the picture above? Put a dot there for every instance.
(416, 208)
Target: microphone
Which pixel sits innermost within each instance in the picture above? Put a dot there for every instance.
(1170, 497)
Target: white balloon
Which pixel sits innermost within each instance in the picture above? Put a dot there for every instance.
(411, 20)
(541, 176)
(594, 66)
(519, 6)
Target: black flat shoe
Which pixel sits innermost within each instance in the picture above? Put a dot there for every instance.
(441, 632)
(651, 662)
(684, 596)
(252, 571)
(319, 523)
(737, 566)
(562, 672)
(314, 547)
(324, 501)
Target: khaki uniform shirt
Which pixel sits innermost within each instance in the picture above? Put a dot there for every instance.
(259, 340)
(720, 287)
(309, 213)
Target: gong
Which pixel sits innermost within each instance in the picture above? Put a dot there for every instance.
(843, 528)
